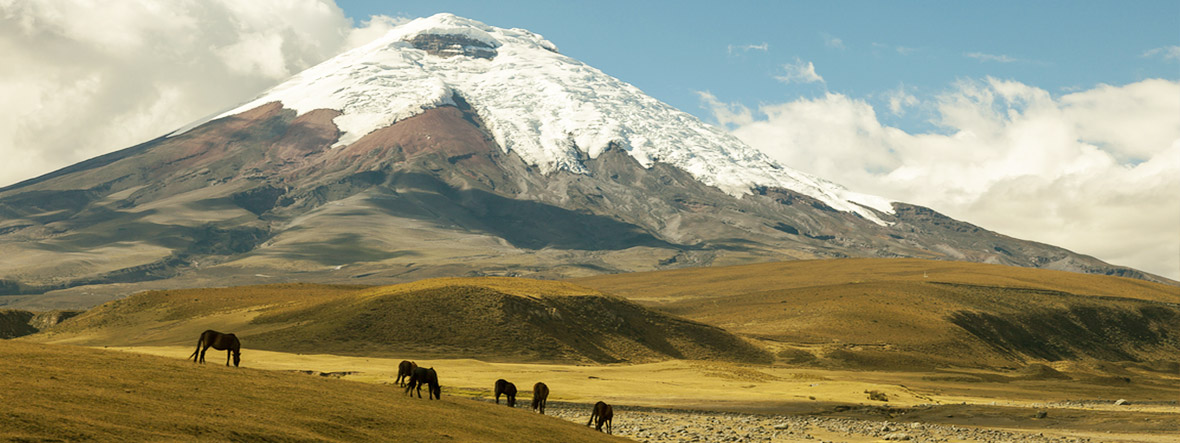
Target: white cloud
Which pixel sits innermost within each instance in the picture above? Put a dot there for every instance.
(1096, 171)
(730, 116)
(991, 57)
(1166, 53)
(82, 78)
(799, 72)
(747, 48)
(899, 99)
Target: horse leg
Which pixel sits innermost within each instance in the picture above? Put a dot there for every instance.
(203, 349)
(228, 352)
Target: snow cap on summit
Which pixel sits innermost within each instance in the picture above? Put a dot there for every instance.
(447, 24)
(548, 108)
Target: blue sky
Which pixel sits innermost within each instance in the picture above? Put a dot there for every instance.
(735, 50)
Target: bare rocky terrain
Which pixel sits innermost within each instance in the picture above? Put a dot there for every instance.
(672, 425)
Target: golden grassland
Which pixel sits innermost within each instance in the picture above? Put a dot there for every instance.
(909, 313)
(663, 286)
(715, 384)
(984, 344)
(961, 397)
(490, 318)
(68, 393)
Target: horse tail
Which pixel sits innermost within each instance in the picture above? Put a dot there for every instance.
(200, 341)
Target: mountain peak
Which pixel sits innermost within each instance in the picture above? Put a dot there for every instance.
(550, 109)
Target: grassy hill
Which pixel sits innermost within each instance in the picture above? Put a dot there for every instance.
(908, 313)
(68, 393)
(489, 318)
(891, 314)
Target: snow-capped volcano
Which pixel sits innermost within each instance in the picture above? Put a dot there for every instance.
(550, 109)
(448, 147)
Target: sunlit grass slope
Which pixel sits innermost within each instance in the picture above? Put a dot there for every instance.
(486, 318)
(68, 393)
(917, 313)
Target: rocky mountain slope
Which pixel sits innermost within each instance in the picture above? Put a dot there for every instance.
(446, 148)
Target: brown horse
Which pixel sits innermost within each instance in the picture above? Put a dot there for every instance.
(508, 389)
(404, 370)
(220, 342)
(604, 413)
(424, 376)
(540, 395)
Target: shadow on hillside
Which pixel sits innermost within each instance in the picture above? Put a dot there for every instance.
(1103, 333)
(524, 224)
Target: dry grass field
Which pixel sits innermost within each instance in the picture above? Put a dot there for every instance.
(491, 318)
(919, 314)
(68, 393)
(1003, 400)
(946, 344)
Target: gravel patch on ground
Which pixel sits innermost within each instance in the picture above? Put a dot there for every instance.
(671, 425)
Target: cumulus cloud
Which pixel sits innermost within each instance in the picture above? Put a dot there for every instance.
(1166, 53)
(82, 78)
(799, 72)
(1096, 171)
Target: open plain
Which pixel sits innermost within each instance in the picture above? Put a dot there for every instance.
(843, 350)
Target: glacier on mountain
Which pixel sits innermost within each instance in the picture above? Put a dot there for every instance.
(536, 102)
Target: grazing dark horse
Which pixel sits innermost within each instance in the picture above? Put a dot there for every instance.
(508, 389)
(220, 342)
(540, 395)
(424, 376)
(603, 413)
(404, 370)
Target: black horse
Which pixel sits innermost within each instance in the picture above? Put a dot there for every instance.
(424, 376)
(603, 413)
(540, 396)
(220, 342)
(508, 389)
(404, 370)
